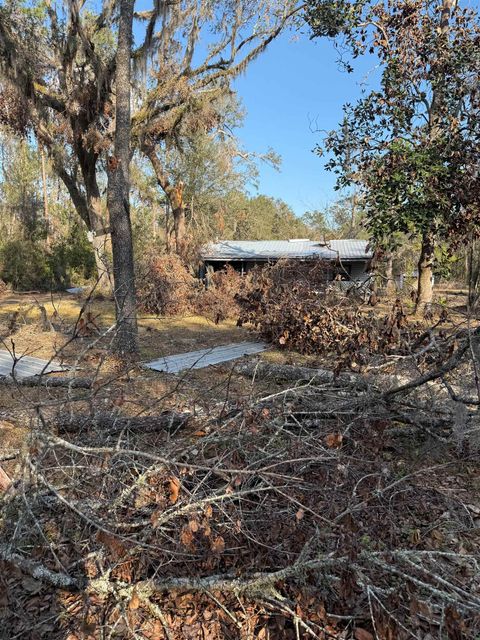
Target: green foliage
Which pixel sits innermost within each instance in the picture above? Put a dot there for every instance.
(72, 260)
(25, 265)
(259, 218)
(20, 187)
(30, 265)
(332, 17)
(412, 146)
(344, 218)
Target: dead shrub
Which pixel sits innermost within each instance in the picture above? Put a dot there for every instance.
(166, 287)
(218, 301)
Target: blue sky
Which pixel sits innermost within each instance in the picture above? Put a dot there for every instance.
(293, 88)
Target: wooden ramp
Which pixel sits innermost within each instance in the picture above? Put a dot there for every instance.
(205, 357)
(25, 366)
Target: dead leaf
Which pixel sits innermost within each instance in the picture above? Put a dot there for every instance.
(5, 480)
(218, 545)
(174, 484)
(300, 513)
(193, 526)
(186, 537)
(208, 511)
(113, 544)
(134, 602)
(31, 585)
(334, 440)
(362, 634)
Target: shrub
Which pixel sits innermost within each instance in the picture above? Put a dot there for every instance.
(72, 260)
(25, 265)
(29, 264)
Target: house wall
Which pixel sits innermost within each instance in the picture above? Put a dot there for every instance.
(358, 271)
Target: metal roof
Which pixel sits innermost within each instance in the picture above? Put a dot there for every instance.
(25, 366)
(347, 250)
(205, 357)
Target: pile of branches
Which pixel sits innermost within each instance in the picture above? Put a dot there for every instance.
(317, 511)
(297, 306)
(218, 302)
(166, 286)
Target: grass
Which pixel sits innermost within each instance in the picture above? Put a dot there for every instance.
(158, 336)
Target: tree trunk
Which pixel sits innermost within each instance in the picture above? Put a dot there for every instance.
(390, 284)
(45, 195)
(180, 229)
(99, 238)
(473, 274)
(174, 194)
(118, 194)
(425, 273)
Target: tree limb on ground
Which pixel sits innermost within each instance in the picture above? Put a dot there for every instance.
(293, 373)
(41, 380)
(111, 423)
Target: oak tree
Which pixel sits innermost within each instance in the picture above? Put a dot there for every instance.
(412, 145)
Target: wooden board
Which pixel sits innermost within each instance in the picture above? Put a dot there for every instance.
(26, 366)
(205, 357)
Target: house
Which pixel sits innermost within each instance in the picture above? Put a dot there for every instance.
(350, 256)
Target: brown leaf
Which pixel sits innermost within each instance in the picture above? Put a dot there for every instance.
(134, 602)
(5, 480)
(31, 585)
(113, 544)
(154, 518)
(362, 634)
(193, 526)
(300, 513)
(174, 484)
(218, 545)
(186, 537)
(334, 440)
(208, 511)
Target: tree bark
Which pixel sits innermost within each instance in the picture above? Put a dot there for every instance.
(99, 237)
(390, 284)
(88, 205)
(473, 273)
(118, 194)
(425, 273)
(111, 423)
(180, 229)
(174, 194)
(45, 195)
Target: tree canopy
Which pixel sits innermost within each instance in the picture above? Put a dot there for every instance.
(412, 145)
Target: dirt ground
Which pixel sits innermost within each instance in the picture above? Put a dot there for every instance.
(136, 387)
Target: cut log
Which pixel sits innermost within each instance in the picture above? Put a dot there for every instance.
(46, 381)
(291, 373)
(110, 423)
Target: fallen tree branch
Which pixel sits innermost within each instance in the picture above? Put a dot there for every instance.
(451, 363)
(290, 373)
(41, 380)
(37, 569)
(111, 423)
